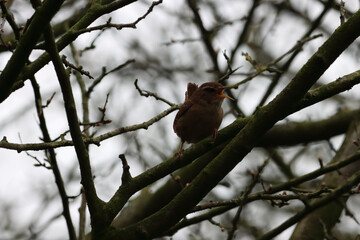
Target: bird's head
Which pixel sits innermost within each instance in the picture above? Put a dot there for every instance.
(211, 92)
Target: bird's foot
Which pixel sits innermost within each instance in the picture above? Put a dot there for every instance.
(214, 135)
(179, 153)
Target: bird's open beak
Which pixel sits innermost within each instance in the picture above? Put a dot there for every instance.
(222, 95)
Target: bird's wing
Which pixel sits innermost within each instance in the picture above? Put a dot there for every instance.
(183, 109)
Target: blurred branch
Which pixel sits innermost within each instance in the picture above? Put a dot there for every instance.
(10, 18)
(337, 193)
(206, 35)
(342, 12)
(337, 6)
(84, 95)
(182, 41)
(245, 32)
(220, 207)
(92, 44)
(82, 215)
(308, 131)
(330, 214)
(247, 191)
(279, 161)
(275, 80)
(268, 67)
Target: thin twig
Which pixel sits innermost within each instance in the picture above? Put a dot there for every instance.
(92, 44)
(342, 12)
(338, 192)
(223, 206)
(105, 73)
(108, 24)
(275, 80)
(182, 41)
(146, 93)
(10, 18)
(53, 160)
(268, 67)
(102, 120)
(95, 140)
(82, 215)
(206, 35)
(78, 69)
(247, 191)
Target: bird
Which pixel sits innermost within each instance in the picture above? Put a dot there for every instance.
(201, 113)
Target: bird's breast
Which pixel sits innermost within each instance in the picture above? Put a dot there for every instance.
(198, 122)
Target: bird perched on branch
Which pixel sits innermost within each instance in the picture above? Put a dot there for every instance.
(201, 114)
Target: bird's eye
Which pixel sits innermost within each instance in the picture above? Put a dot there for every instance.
(210, 89)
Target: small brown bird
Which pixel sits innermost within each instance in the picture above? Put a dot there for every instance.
(201, 114)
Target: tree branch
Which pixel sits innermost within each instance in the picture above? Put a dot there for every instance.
(247, 138)
(220, 207)
(94, 203)
(52, 157)
(311, 207)
(41, 17)
(275, 80)
(94, 12)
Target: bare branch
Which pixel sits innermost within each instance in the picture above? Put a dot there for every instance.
(249, 188)
(108, 24)
(82, 215)
(78, 69)
(126, 176)
(342, 12)
(146, 93)
(94, 203)
(105, 73)
(260, 69)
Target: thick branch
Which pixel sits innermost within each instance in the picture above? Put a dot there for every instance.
(248, 137)
(41, 17)
(93, 13)
(223, 206)
(312, 97)
(94, 203)
(328, 215)
(311, 207)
